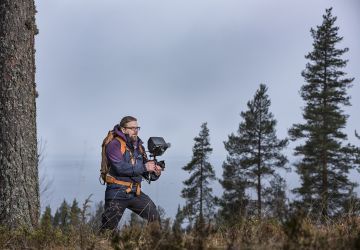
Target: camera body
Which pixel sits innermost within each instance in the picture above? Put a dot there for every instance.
(157, 146)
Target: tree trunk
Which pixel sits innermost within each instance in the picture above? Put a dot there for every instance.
(258, 186)
(19, 186)
(325, 187)
(201, 190)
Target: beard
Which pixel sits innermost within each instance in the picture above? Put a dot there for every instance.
(134, 138)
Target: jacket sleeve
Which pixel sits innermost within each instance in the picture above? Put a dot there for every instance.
(118, 163)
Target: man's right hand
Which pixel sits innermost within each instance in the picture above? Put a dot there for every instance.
(150, 166)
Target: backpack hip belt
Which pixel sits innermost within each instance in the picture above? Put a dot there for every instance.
(111, 180)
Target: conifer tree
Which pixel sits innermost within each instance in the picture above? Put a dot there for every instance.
(179, 218)
(46, 220)
(325, 160)
(234, 199)
(64, 215)
(357, 160)
(56, 220)
(177, 231)
(95, 218)
(275, 198)
(199, 205)
(135, 220)
(84, 212)
(74, 216)
(255, 152)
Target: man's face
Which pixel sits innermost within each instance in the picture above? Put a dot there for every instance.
(131, 129)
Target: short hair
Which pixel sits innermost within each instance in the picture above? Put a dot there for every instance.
(126, 120)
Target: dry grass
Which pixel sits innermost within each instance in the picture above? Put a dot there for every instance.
(296, 233)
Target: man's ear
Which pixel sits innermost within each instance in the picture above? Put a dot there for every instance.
(122, 130)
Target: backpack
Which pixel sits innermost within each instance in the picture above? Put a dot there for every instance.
(105, 167)
(104, 170)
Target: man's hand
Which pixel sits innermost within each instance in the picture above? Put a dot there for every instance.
(158, 170)
(151, 167)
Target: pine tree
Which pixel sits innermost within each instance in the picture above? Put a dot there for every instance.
(199, 206)
(357, 135)
(19, 182)
(357, 155)
(325, 162)
(56, 221)
(275, 198)
(46, 220)
(255, 153)
(164, 221)
(95, 219)
(136, 220)
(234, 199)
(64, 215)
(177, 231)
(179, 218)
(74, 215)
(85, 213)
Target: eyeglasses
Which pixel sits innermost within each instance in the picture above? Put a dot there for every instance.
(133, 128)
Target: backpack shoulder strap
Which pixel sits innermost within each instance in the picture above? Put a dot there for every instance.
(143, 153)
(122, 143)
(107, 139)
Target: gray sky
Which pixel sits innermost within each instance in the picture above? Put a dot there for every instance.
(173, 65)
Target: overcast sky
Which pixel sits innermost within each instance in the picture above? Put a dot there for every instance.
(173, 65)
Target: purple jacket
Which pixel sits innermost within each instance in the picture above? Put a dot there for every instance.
(121, 167)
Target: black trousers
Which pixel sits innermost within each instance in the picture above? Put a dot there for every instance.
(141, 205)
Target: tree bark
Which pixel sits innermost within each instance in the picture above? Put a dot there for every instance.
(258, 187)
(325, 187)
(19, 185)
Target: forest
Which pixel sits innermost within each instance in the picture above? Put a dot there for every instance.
(254, 210)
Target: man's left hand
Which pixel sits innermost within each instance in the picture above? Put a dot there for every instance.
(157, 170)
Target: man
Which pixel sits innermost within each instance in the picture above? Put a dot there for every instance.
(127, 167)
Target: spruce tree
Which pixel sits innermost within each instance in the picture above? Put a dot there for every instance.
(357, 160)
(275, 198)
(56, 220)
(325, 161)
(255, 152)
(95, 218)
(179, 218)
(46, 220)
(136, 220)
(177, 231)
(199, 206)
(64, 215)
(74, 216)
(234, 200)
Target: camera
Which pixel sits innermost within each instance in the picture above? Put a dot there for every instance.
(156, 147)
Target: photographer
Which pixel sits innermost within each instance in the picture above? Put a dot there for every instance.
(127, 162)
